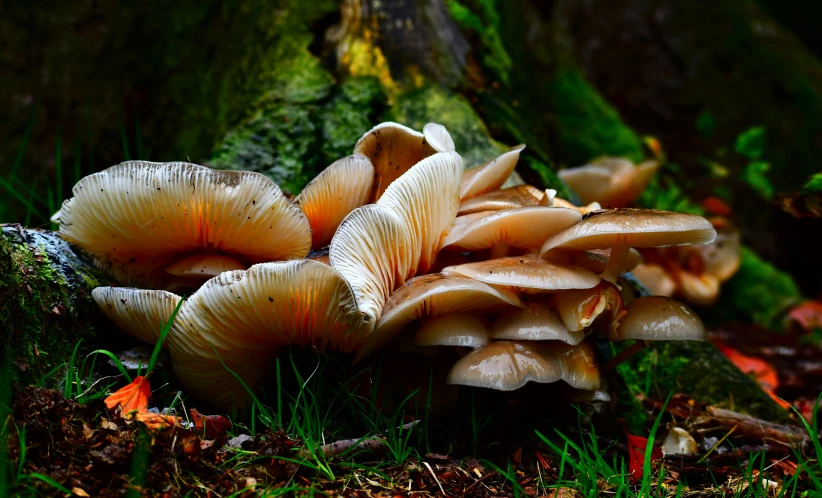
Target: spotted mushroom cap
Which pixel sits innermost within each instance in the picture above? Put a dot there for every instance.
(137, 218)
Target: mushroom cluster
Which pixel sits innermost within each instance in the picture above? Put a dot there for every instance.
(418, 250)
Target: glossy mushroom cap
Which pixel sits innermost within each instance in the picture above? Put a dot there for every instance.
(138, 218)
(528, 274)
(433, 295)
(489, 176)
(633, 228)
(508, 198)
(504, 366)
(533, 322)
(522, 227)
(454, 329)
(339, 189)
(655, 318)
(579, 308)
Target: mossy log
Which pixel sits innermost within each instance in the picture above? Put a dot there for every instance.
(45, 301)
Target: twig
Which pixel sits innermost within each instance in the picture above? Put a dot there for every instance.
(435, 477)
(486, 476)
(337, 447)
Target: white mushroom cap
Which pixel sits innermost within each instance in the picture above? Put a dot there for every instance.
(579, 308)
(438, 138)
(204, 265)
(392, 148)
(610, 181)
(527, 273)
(138, 217)
(633, 228)
(454, 329)
(373, 251)
(339, 189)
(656, 318)
(489, 176)
(533, 322)
(522, 227)
(140, 313)
(433, 295)
(504, 366)
(426, 199)
(508, 198)
(679, 442)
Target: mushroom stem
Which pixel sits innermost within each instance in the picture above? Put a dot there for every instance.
(623, 356)
(615, 262)
(499, 251)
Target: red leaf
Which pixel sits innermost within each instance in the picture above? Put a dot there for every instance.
(636, 456)
(215, 425)
(133, 397)
(807, 315)
(717, 206)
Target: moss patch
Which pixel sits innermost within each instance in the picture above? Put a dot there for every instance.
(46, 294)
(480, 19)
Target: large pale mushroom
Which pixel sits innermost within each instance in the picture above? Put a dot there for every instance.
(489, 176)
(621, 229)
(138, 218)
(433, 295)
(524, 228)
(339, 189)
(245, 317)
(527, 274)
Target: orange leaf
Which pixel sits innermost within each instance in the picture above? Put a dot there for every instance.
(717, 206)
(156, 421)
(215, 425)
(807, 315)
(132, 397)
(762, 371)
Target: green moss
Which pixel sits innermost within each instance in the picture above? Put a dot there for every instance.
(480, 18)
(541, 175)
(758, 292)
(46, 295)
(435, 103)
(587, 126)
(295, 133)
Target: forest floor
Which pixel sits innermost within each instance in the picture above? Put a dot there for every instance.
(319, 443)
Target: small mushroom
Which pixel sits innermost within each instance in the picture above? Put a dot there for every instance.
(433, 295)
(579, 308)
(203, 265)
(504, 366)
(656, 318)
(137, 312)
(655, 278)
(700, 290)
(339, 189)
(527, 274)
(579, 367)
(139, 218)
(454, 329)
(508, 198)
(679, 442)
(426, 199)
(525, 228)
(535, 321)
(610, 181)
(489, 176)
(621, 229)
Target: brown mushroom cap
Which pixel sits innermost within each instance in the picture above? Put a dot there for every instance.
(489, 176)
(610, 181)
(508, 198)
(595, 260)
(138, 217)
(522, 227)
(433, 295)
(426, 199)
(721, 258)
(655, 278)
(700, 290)
(527, 274)
(533, 322)
(454, 329)
(579, 367)
(372, 250)
(656, 318)
(339, 189)
(140, 313)
(633, 228)
(504, 366)
(579, 308)
(392, 149)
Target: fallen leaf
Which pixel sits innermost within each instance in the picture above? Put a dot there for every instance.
(79, 492)
(132, 397)
(215, 425)
(717, 206)
(636, 454)
(237, 442)
(156, 421)
(807, 315)
(763, 372)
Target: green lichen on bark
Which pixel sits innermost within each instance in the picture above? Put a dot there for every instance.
(45, 300)
(481, 19)
(294, 133)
